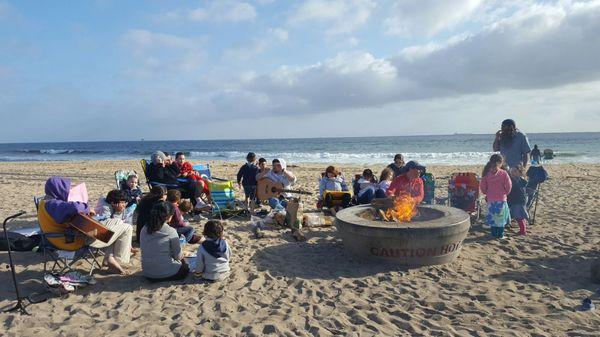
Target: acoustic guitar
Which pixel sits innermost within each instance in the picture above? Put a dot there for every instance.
(266, 189)
(91, 228)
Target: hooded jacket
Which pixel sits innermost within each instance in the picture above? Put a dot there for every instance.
(57, 193)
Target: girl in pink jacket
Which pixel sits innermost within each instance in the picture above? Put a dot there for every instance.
(496, 185)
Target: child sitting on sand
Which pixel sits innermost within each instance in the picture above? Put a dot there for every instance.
(496, 185)
(131, 189)
(517, 198)
(181, 226)
(162, 257)
(368, 188)
(212, 259)
(113, 206)
(387, 175)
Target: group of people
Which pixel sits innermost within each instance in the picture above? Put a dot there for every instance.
(159, 217)
(161, 229)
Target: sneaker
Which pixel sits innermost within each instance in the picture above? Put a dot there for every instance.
(258, 234)
(486, 226)
(199, 217)
(587, 304)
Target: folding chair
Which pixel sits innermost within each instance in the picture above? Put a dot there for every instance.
(144, 163)
(64, 247)
(121, 177)
(223, 198)
(536, 175)
(463, 193)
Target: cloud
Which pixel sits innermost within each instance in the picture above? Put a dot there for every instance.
(341, 16)
(427, 17)
(157, 54)
(538, 47)
(258, 45)
(213, 11)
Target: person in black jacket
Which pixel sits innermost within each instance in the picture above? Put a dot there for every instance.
(397, 165)
(157, 194)
(162, 170)
(246, 177)
(517, 198)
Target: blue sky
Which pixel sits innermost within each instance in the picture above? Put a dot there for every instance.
(125, 70)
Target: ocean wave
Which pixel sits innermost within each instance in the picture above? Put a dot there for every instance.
(58, 151)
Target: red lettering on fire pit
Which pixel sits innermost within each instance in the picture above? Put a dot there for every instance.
(418, 252)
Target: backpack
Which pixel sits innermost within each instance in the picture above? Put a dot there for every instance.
(19, 242)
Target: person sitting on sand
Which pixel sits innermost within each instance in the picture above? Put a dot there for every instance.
(162, 257)
(496, 185)
(368, 188)
(385, 179)
(117, 251)
(132, 189)
(157, 194)
(397, 165)
(212, 259)
(113, 206)
(333, 180)
(409, 182)
(162, 170)
(186, 170)
(278, 174)
(181, 226)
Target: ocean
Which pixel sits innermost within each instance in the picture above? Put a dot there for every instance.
(459, 149)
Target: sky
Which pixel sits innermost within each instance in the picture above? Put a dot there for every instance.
(228, 69)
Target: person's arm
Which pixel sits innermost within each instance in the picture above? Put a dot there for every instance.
(507, 184)
(420, 191)
(496, 145)
(484, 185)
(290, 176)
(262, 175)
(321, 187)
(526, 150)
(392, 189)
(176, 252)
(240, 174)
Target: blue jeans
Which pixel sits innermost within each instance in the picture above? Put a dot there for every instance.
(187, 231)
(369, 195)
(274, 203)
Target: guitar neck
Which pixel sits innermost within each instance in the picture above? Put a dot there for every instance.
(295, 191)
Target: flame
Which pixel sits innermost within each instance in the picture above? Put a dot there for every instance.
(405, 208)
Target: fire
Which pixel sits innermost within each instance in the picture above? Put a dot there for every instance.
(405, 208)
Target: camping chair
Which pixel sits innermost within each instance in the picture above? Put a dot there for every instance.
(536, 176)
(429, 187)
(144, 163)
(121, 177)
(63, 247)
(334, 198)
(222, 193)
(463, 193)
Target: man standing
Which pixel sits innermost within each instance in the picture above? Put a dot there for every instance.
(512, 144)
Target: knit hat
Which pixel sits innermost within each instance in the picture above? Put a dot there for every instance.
(158, 154)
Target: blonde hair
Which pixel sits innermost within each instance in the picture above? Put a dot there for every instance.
(386, 174)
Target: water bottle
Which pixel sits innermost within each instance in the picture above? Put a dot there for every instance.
(182, 241)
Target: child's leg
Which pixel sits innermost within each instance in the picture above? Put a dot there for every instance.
(186, 231)
(522, 226)
(500, 232)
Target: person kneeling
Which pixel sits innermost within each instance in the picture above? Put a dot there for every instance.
(212, 259)
(162, 258)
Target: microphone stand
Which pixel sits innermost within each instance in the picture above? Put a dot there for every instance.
(19, 306)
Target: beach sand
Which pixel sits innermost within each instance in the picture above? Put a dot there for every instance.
(519, 286)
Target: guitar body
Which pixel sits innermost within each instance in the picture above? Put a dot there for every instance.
(91, 228)
(267, 189)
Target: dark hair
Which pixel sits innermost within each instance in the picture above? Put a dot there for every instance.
(331, 169)
(213, 229)
(494, 160)
(367, 173)
(398, 156)
(156, 192)
(167, 153)
(158, 216)
(262, 160)
(185, 206)
(115, 196)
(251, 156)
(173, 195)
(276, 161)
(179, 154)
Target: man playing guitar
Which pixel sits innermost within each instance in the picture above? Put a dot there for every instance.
(278, 174)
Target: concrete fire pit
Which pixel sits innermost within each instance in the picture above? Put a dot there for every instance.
(434, 236)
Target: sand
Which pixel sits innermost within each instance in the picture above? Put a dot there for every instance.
(520, 286)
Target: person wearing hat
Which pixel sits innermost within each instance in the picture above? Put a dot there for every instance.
(512, 144)
(408, 182)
